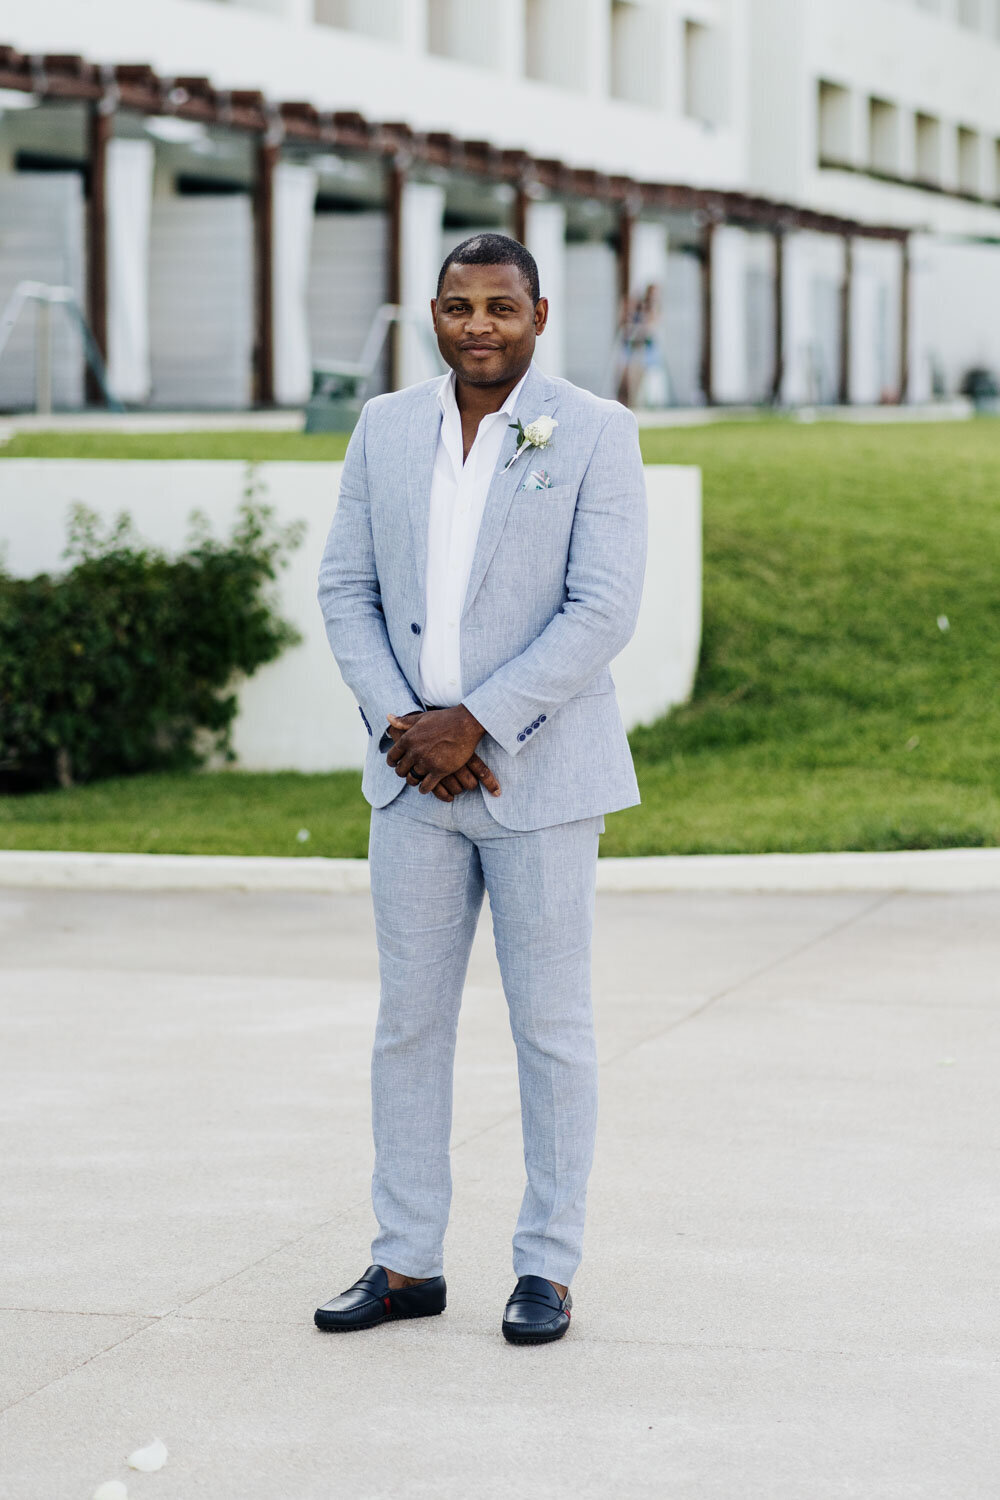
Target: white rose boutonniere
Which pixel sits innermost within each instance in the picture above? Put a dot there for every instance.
(537, 434)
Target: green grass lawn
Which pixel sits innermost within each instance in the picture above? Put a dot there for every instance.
(831, 711)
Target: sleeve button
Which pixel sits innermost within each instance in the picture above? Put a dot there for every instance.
(415, 628)
(541, 718)
(521, 736)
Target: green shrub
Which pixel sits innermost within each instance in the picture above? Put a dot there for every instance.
(127, 662)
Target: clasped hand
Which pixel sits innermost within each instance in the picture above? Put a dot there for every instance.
(435, 750)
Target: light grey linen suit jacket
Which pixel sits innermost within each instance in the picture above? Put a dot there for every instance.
(553, 596)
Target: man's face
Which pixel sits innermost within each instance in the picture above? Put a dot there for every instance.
(486, 323)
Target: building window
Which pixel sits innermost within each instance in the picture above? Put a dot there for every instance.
(834, 103)
(636, 65)
(378, 18)
(883, 137)
(464, 30)
(968, 160)
(555, 43)
(702, 92)
(928, 148)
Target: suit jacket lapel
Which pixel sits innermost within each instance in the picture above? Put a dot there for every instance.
(421, 448)
(538, 396)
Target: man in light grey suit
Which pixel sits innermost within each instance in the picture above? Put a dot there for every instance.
(483, 568)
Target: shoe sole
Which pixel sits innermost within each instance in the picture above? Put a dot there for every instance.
(533, 1338)
(325, 1327)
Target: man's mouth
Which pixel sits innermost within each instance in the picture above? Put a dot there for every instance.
(480, 348)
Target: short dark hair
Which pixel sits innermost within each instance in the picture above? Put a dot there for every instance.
(494, 250)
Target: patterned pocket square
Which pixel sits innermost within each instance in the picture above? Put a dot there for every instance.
(538, 479)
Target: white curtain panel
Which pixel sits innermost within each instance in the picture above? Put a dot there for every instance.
(41, 239)
(201, 301)
(294, 205)
(129, 196)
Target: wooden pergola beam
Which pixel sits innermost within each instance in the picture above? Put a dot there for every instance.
(141, 89)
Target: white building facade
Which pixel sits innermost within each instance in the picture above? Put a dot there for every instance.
(783, 200)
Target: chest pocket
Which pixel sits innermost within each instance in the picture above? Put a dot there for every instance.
(554, 498)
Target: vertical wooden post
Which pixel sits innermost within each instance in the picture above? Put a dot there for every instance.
(846, 296)
(263, 222)
(904, 320)
(394, 264)
(626, 234)
(777, 379)
(521, 202)
(707, 377)
(626, 228)
(100, 128)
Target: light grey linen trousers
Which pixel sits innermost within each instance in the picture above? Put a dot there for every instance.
(430, 863)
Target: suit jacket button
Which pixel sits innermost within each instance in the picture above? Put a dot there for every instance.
(541, 718)
(522, 735)
(536, 723)
(528, 730)
(415, 628)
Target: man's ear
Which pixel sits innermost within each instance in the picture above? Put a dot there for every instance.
(541, 314)
(434, 313)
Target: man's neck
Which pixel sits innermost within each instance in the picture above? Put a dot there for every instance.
(477, 401)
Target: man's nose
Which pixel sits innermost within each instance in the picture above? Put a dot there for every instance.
(478, 322)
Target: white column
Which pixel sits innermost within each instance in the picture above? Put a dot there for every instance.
(921, 291)
(511, 39)
(795, 382)
(420, 257)
(413, 26)
(907, 142)
(949, 154)
(860, 141)
(595, 24)
(294, 202)
(299, 12)
(729, 362)
(672, 61)
(546, 238)
(129, 190)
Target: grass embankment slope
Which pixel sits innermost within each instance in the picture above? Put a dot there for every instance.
(831, 710)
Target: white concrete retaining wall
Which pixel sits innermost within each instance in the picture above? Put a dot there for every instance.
(296, 714)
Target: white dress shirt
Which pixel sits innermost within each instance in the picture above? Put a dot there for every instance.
(458, 499)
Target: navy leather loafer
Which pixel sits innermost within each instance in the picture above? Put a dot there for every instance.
(371, 1300)
(535, 1312)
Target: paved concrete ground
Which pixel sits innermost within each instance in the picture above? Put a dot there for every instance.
(789, 1290)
